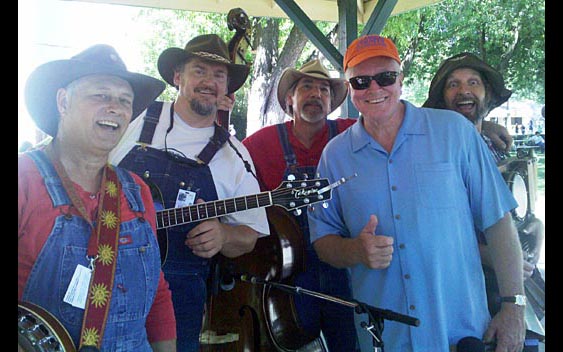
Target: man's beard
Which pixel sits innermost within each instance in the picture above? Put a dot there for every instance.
(202, 109)
(315, 115)
(478, 115)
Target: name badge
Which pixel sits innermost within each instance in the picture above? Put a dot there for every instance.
(184, 198)
(77, 291)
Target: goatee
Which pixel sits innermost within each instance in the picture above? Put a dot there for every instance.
(202, 109)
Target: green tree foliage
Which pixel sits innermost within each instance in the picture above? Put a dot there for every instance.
(508, 34)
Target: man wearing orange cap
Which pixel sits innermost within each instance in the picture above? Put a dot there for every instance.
(405, 227)
(292, 149)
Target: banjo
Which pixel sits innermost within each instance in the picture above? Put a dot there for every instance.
(40, 331)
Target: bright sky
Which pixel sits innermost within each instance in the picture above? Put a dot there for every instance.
(56, 29)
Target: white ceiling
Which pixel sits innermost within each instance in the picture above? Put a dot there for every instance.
(325, 10)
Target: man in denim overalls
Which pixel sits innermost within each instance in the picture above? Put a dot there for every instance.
(292, 149)
(185, 156)
(67, 232)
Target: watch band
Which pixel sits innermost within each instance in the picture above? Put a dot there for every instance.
(519, 300)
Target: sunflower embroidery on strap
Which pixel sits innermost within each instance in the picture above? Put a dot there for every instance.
(90, 337)
(111, 189)
(109, 219)
(99, 295)
(105, 254)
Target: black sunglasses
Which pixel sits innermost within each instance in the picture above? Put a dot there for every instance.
(383, 79)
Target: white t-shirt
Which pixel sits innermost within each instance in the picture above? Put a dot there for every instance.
(229, 174)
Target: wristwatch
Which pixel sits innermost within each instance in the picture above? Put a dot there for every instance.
(519, 300)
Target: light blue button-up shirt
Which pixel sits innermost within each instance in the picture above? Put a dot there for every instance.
(438, 185)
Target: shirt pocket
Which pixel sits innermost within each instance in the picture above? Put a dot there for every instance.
(436, 185)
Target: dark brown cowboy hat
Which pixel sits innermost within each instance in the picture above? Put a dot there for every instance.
(316, 70)
(208, 47)
(499, 93)
(44, 82)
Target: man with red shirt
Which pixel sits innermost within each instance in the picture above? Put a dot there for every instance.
(294, 147)
(87, 247)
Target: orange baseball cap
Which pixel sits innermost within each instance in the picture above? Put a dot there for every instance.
(368, 46)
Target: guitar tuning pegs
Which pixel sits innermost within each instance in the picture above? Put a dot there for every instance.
(305, 177)
(291, 177)
(297, 212)
(325, 205)
(317, 175)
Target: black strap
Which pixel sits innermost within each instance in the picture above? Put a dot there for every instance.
(332, 128)
(219, 138)
(150, 121)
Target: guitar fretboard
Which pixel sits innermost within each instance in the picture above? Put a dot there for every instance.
(197, 212)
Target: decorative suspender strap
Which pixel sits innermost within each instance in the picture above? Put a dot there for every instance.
(150, 121)
(288, 154)
(219, 138)
(102, 252)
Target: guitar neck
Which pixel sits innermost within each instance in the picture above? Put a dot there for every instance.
(213, 209)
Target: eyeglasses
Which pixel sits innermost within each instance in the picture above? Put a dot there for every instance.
(383, 79)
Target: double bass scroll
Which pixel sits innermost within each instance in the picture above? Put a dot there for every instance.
(237, 20)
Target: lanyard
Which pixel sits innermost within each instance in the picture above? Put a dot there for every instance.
(102, 249)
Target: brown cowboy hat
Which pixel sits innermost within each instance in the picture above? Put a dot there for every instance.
(316, 70)
(208, 47)
(44, 82)
(499, 93)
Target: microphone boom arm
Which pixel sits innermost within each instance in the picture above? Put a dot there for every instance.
(359, 307)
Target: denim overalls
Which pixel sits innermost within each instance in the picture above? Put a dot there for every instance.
(335, 320)
(185, 272)
(136, 274)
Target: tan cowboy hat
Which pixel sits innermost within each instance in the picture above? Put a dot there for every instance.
(44, 82)
(499, 93)
(313, 69)
(208, 47)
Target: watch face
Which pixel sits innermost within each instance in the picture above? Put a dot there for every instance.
(520, 300)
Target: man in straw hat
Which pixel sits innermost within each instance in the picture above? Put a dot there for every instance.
(180, 150)
(405, 226)
(308, 95)
(466, 84)
(82, 222)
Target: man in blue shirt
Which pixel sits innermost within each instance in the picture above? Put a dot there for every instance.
(405, 227)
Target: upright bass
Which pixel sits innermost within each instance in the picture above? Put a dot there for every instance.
(237, 20)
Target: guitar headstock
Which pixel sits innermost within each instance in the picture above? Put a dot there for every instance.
(292, 195)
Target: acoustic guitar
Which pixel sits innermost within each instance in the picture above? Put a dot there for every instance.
(40, 331)
(290, 195)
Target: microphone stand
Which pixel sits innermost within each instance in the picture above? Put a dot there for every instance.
(376, 316)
